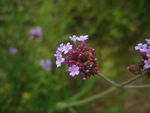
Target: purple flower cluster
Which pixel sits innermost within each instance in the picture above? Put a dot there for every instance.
(144, 65)
(78, 58)
(46, 64)
(35, 33)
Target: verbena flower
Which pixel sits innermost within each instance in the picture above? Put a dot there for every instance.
(147, 64)
(144, 65)
(74, 70)
(12, 50)
(79, 59)
(83, 38)
(141, 47)
(35, 33)
(46, 64)
(148, 41)
(74, 38)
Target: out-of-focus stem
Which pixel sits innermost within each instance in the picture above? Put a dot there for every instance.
(63, 105)
(124, 83)
(138, 86)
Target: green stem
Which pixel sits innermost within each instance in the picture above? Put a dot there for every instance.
(77, 103)
(63, 105)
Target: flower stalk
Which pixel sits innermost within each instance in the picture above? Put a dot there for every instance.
(63, 105)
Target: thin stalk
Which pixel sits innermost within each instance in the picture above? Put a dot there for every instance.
(138, 86)
(132, 80)
(77, 103)
(124, 83)
(63, 105)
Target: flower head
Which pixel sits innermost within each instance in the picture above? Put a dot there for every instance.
(12, 50)
(46, 64)
(74, 70)
(144, 65)
(80, 59)
(35, 33)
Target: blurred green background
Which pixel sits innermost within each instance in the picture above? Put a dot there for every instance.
(114, 27)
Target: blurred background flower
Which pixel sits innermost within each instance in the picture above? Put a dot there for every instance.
(46, 64)
(12, 50)
(35, 33)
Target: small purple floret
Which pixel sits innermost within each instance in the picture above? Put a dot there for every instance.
(141, 47)
(74, 38)
(59, 60)
(147, 64)
(74, 70)
(67, 47)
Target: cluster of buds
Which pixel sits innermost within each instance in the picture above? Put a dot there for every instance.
(143, 67)
(79, 59)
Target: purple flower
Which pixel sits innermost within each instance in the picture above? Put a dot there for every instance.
(61, 48)
(46, 64)
(147, 52)
(67, 47)
(148, 41)
(35, 33)
(74, 70)
(59, 60)
(79, 59)
(12, 50)
(74, 38)
(83, 38)
(58, 54)
(141, 47)
(147, 64)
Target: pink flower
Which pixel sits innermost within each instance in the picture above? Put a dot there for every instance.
(61, 48)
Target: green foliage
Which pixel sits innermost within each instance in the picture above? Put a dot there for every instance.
(114, 28)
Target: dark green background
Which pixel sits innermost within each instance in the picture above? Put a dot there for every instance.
(114, 27)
